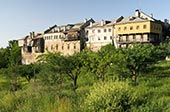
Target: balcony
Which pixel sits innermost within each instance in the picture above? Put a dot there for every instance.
(132, 41)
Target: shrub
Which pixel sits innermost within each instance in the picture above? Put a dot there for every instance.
(110, 97)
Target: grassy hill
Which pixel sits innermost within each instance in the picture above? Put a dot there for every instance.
(151, 94)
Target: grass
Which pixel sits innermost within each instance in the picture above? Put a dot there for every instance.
(153, 87)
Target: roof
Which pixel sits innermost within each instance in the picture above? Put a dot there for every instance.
(106, 23)
(46, 31)
(132, 19)
(100, 24)
(69, 27)
(38, 35)
(77, 26)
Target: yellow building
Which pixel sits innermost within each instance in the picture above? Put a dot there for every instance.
(137, 30)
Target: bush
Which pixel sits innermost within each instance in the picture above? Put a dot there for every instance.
(110, 97)
(34, 101)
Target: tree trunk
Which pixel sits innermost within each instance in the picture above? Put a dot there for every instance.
(75, 83)
(134, 78)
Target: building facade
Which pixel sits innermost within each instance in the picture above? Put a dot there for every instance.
(137, 29)
(100, 34)
(66, 39)
(31, 47)
(71, 38)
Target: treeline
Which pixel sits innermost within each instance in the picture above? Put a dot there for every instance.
(54, 68)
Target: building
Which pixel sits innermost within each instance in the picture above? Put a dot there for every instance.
(31, 47)
(71, 38)
(140, 28)
(100, 34)
(66, 39)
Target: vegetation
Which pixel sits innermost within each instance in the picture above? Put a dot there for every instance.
(87, 81)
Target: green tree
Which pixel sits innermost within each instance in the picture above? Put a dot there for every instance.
(52, 68)
(140, 56)
(28, 71)
(14, 53)
(75, 64)
(4, 56)
(100, 62)
(14, 62)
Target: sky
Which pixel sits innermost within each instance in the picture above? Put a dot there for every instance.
(20, 17)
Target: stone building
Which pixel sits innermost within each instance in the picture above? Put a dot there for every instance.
(71, 38)
(31, 47)
(66, 39)
(100, 34)
(140, 28)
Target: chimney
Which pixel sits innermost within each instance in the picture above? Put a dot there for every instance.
(33, 34)
(137, 13)
(166, 21)
(102, 23)
(64, 28)
(58, 29)
(152, 15)
(91, 24)
(85, 20)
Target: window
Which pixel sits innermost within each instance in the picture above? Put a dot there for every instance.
(144, 26)
(62, 47)
(68, 46)
(56, 47)
(99, 31)
(110, 30)
(134, 38)
(131, 28)
(137, 27)
(60, 36)
(141, 38)
(125, 28)
(105, 38)
(87, 31)
(51, 47)
(110, 37)
(98, 38)
(93, 31)
(105, 30)
(119, 28)
(74, 46)
(55, 36)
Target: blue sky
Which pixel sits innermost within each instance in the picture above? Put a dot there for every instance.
(19, 17)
